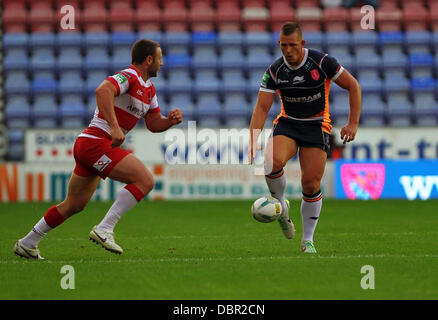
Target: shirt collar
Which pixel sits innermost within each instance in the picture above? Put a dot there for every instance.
(306, 52)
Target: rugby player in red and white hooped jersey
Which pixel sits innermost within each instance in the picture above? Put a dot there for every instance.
(122, 100)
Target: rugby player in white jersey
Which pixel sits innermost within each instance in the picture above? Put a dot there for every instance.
(302, 79)
(122, 100)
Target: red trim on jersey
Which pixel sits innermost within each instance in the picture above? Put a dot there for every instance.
(135, 69)
(115, 83)
(154, 110)
(97, 132)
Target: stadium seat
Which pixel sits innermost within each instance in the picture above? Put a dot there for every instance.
(206, 82)
(335, 19)
(204, 58)
(121, 59)
(121, 16)
(396, 84)
(389, 19)
(256, 60)
(16, 144)
(95, 16)
(433, 17)
(202, 17)
(421, 65)
(96, 58)
(209, 106)
(261, 41)
(367, 39)
(306, 3)
(280, 12)
(122, 39)
(314, 40)
(15, 17)
(344, 58)
(41, 16)
(148, 18)
(70, 82)
(16, 83)
(15, 40)
(340, 107)
(423, 85)
(152, 35)
(366, 59)
(338, 40)
(177, 42)
(415, 17)
(373, 110)
(42, 39)
(392, 59)
(370, 81)
(69, 39)
(96, 39)
(400, 111)
(426, 109)
(309, 18)
(44, 83)
(17, 113)
(184, 102)
(175, 19)
(231, 58)
(233, 81)
(418, 41)
(42, 60)
(180, 82)
(228, 16)
(255, 19)
(44, 111)
(72, 114)
(15, 59)
(355, 17)
(69, 58)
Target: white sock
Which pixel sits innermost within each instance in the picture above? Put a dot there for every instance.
(36, 234)
(276, 182)
(310, 210)
(123, 203)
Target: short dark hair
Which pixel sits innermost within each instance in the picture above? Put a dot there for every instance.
(142, 49)
(291, 27)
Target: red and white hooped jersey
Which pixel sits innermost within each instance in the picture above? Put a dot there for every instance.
(135, 98)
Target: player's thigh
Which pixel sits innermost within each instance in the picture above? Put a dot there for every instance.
(131, 170)
(279, 150)
(312, 162)
(79, 192)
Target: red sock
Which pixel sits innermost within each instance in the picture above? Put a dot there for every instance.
(53, 217)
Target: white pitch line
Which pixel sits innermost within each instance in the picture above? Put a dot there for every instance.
(218, 259)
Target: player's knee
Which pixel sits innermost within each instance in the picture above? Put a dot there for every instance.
(147, 184)
(275, 165)
(310, 185)
(73, 208)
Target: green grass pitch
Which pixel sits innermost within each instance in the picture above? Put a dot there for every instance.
(203, 250)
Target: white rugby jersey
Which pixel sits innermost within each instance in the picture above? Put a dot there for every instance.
(135, 98)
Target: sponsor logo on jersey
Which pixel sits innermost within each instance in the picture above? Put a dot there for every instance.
(120, 78)
(298, 79)
(303, 99)
(102, 163)
(315, 74)
(266, 78)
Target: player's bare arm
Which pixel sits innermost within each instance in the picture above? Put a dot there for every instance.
(105, 94)
(156, 122)
(261, 110)
(348, 82)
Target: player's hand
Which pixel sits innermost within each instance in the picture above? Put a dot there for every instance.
(252, 150)
(175, 116)
(348, 133)
(118, 137)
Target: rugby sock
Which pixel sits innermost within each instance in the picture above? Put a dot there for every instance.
(276, 182)
(127, 198)
(310, 210)
(51, 219)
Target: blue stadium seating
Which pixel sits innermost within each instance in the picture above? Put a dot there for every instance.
(96, 59)
(367, 59)
(396, 84)
(373, 110)
(16, 83)
(229, 39)
(70, 82)
(394, 60)
(17, 113)
(400, 110)
(44, 83)
(16, 144)
(44, 111)
(204, 57)
(205, 39)
(368, 39)
(180, 81)
(15, 40)
(206, 82)
(370, 81)
(96, 39)
(69, 58)
(72, 114)
(122, 39)
(156, 36)
(418, 41)
(210, 111)
(231, 58)
(42, 59)
(69, 39)
(426, 109)
(42, 40)
(233, 81)
(94, 79)
(121, 59)
(15, 59)
(184, 102)
(391, 38)
(177, 42)
(340, 39)
(315, 40)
